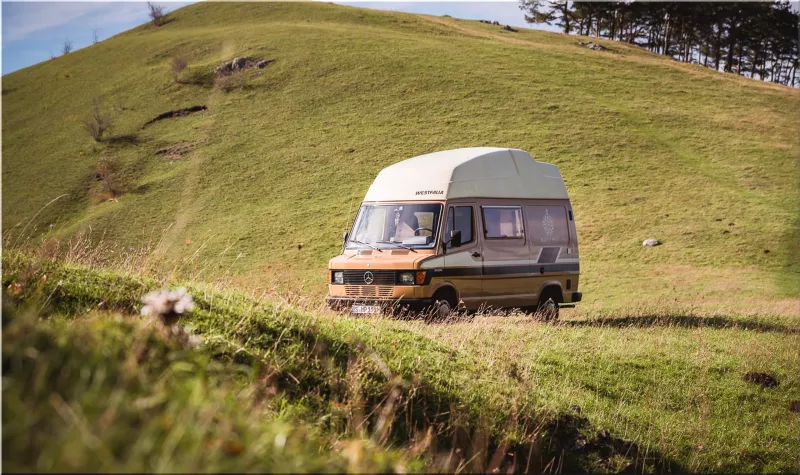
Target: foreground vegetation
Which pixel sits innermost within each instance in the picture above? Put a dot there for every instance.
(705, 162)
(652, 391)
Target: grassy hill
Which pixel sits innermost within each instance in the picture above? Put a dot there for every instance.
(706, 162)
(641, 392)
(649, 374)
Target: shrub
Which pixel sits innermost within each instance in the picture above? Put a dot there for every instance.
(100, 122)
(66, 48)
(108, 175)
(156, 13)
(178, 65)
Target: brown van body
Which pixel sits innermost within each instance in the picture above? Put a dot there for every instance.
(507, 272)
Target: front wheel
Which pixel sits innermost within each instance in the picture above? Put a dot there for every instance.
(444, 304)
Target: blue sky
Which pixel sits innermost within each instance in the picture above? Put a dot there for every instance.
(507, 13)
(34, 31)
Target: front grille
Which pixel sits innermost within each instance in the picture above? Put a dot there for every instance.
(379, 277)
(379, 291)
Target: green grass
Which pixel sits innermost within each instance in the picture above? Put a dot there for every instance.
(655, 390)
(648, 370)
(649, 147)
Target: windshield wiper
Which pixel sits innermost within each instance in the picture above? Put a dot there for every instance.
(398, 244)
(366, 244)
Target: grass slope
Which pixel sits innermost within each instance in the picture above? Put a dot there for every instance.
(705, 162)
(650, 391)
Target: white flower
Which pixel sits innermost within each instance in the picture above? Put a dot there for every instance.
(280, 441)
(168, 305)
(195, 340)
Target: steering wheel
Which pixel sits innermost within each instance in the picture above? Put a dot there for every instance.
(416, 231)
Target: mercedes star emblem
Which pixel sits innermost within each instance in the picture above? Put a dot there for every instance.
(368, 277)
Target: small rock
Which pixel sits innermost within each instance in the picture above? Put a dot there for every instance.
(718, 219)
(766, 251)
(300, 245)
(239, 63)
(651, 242)
(508, 28)
(726, 232)
(579, 443)
(762, 379)
(263, 63)
(592, 45)
(731, 224)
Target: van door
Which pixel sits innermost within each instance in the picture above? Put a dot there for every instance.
(463, 264)
(506, 258)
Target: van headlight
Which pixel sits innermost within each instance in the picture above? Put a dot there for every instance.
(406, 278)
(338, 277)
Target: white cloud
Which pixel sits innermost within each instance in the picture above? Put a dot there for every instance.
(20, 20)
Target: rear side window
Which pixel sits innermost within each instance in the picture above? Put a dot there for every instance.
(548, 225)
(460, 218)
(503, 222)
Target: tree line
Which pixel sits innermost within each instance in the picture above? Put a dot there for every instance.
(754, 39)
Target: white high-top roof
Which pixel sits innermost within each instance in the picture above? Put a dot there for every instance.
(481, 172)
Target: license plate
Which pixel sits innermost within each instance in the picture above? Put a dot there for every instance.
(365, 309)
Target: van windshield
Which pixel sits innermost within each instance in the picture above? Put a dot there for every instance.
(385, 226)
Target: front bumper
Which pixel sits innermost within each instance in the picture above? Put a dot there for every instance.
(340, 303)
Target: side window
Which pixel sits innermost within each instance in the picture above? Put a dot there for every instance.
(375, 219)
(503, 222)
(548, 225)
(461, 219)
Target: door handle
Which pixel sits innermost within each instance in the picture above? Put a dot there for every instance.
(476, 254)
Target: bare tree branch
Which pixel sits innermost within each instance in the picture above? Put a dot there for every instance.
(100, 122)
(66, 48)
(156, 13)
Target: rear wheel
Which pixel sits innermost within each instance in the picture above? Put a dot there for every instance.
(547, 307)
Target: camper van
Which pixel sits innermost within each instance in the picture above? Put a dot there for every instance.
(467, 229)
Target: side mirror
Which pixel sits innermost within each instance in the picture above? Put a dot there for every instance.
(455, 238)
(344, 240)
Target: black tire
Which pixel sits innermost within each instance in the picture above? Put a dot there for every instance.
(444, 306)
(547, 307)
